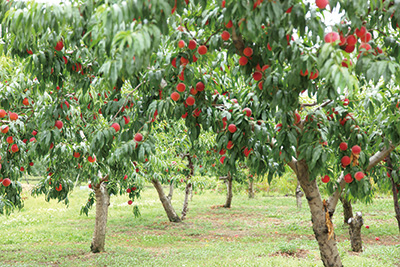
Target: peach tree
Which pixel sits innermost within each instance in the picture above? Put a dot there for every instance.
(175, 163)
(284, 49)
(80, 71)
(207, 92)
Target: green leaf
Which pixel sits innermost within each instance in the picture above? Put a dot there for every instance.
(315, 156)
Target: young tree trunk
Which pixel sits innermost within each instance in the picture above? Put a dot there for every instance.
(185, 209)
(102, 203)
(191, 193)
(251, 190)
(347, 209)
(171, 191)
(229, 194)
(395, 194)
(169, 209)
(299, 195)
(396, 203)
(77, 179)
(189, 186)
(327, 244)
(355, 232)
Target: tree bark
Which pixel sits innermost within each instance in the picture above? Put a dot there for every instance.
(299, 195)
(327, 244)
(169, 209)
(185, 209)
(229, 194)
(355, 232)
(191, 193)
(379, 156)
(347, 209)
(171, 190)
(396, 202)
(237, 41)
(102, 203)
(251, 189)
(189, 186)
(394, 192)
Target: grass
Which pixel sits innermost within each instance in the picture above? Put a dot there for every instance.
(265, 231)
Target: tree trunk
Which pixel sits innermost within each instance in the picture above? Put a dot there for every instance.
(327, 244)
(395, 193)
(185, 209)
(396, 202)
(102, 203)
(229, 194)
(299, 195)
(355, 232)
(191, 193)
(169, 209)
(347, 209)
(189, 186)
(251, 190)
(171, 191)
(77, 179)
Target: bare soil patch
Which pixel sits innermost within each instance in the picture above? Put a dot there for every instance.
(300, 253)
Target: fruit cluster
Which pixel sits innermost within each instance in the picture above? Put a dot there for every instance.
(347, 162)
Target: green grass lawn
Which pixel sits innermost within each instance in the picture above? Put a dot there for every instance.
(265, 231)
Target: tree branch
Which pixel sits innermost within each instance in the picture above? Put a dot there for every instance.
(381, 32)
(333, 199)
(190, 165)
(33, 112)
(212, 35)
(323, 104)
(292, 165)
(97, 186)
(187, 30)
(378, 157)
(237, 41)
(126, 100)
(308, 105)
